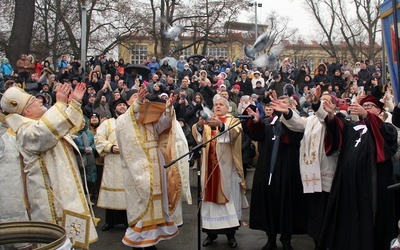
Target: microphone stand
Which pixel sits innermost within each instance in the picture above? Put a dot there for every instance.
(199, 197)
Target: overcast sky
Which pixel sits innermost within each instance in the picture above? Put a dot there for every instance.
(293, 9)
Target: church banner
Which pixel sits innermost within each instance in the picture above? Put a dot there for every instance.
(389, 27)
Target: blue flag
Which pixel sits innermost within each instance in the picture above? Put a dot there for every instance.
(389, 35)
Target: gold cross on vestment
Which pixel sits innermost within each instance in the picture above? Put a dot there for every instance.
(306, 180)
(315, 179)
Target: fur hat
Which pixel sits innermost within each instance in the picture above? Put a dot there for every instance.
(31, 59)
(14, 100)
(222, 75)
(203, 71)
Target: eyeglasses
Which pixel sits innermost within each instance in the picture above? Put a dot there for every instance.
(369, 105)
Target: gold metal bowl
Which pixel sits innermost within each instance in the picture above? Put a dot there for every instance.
(49, 236)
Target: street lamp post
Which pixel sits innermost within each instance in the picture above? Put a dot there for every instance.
(255, 4)
(83, 37)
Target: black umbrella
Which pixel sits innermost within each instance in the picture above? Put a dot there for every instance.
(278, 131)
(142, 70)
(195, 57)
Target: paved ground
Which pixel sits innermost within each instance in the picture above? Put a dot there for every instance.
(247, 239)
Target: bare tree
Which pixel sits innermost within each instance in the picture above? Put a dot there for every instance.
(57, 27)
(354, 22)
(204, 20)
(21, 33)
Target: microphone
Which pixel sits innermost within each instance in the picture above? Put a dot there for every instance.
(245, 116)
(394, 186)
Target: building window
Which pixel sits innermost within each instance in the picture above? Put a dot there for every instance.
(185, 52)
(311, 65)
(139, 54)
(217, 51)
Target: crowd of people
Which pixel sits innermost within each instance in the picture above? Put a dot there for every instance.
(325, 141)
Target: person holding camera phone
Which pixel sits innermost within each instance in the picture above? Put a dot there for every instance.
(185, 86)
(183, 107)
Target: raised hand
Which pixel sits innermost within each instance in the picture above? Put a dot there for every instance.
(357, 109)
(273, 96)
(317, 94)
(255, 114)
(329, 107)
(142, 93)
(171, 100)
(63, 92)
(280, 106)
(79, 91)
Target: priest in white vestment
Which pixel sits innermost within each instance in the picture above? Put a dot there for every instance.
(316, 168)
(146, 185)
(12, 198)
(111, 195)
(43, 137)
(222, 178)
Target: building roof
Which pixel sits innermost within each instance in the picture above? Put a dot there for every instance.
(244, 26)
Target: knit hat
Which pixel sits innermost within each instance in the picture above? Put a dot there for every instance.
(14, 100)
(130, 93)
(254, 96)
(120, 100)
(96, 114)
(41, 95)
(236, 86)
(163, 94)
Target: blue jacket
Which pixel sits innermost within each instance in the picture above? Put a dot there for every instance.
(154, 66)
(6, 69)
(181, 65)
(62, 65)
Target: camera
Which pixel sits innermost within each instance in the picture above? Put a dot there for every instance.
(183, 97)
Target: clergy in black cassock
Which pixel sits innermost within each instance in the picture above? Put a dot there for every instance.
(281, 207)
(360, 211)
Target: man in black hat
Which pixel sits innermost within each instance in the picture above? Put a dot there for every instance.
(88, 108)
(76, 67)
(45, 87)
